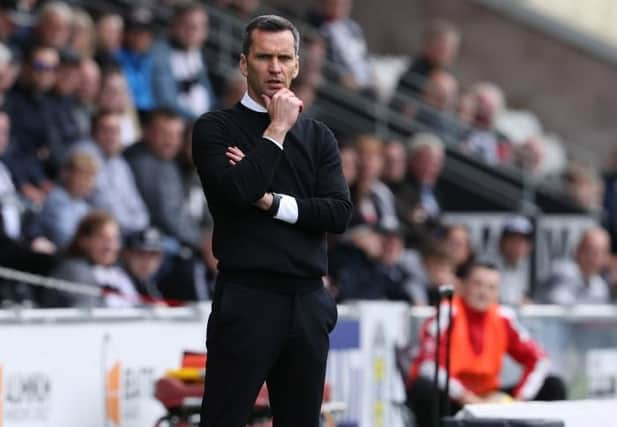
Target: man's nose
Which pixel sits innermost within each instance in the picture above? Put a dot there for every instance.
(275, 66)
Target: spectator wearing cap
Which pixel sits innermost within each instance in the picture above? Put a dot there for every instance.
(180, 72)
(115, 188)
(136, 59)
(36, 151)
(68, 202)
(580, 280)
(513, 261)
(163, 191)
(142, 257)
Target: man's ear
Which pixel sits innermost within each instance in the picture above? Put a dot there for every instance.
(243, 65)
(297, 68)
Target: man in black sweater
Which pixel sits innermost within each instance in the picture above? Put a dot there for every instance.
(275, 187)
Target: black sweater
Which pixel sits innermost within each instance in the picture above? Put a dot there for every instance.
(251, 246)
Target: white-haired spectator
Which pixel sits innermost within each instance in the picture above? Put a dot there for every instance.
(53, 26)
(484, 140)
(579, 280)
(109, 33)
(418, 204)
(83, 34)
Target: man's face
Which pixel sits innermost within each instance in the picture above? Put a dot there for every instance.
(80, 181)
(191, 30)
(107, 134)
(481, 288)
(164, 137)
(143, 264)
(515, 248)
(426, 164)
(43, 68)
(271, 63)
(593, 252)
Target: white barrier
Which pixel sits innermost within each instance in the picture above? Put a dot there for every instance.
(60, 368)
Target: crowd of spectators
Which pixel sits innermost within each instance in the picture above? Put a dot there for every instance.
(97, 184)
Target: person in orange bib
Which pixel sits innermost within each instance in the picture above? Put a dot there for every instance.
(483, 332)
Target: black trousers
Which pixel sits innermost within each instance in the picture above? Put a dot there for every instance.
(256, 336)
(421, 398)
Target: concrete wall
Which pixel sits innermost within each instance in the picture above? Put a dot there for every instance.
(572, 91)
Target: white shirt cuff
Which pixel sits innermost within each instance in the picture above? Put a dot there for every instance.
(288, 209)
(278, 144)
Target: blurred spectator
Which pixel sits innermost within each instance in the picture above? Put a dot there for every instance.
(142, 258)
(83, 34)
(244, 9)
(163, 192)
(484, 140)
(235, 86)
(440, 44)
(8, 71)
(87, 93)
(36, 155)
(35, 256)
(115, 189)
(347, 48)
(529, 155)
(312, 57)
(610, 200)
(67, 203)
(64, 108)
(53, 26)
(304, 90)
(579, 280)
(109, 34)
(584, 187)
(91, 260)
(395, 165)
(482, 333)
(418, 204)
(457, 240)
(196, 203)
(466, 108)
(513, 261)
(135, 58)
(437, 114)
(115, 96)
(12, 21)
(349, 162)
(371, 270)
(373, 201)
(180, 72)
(435, 268)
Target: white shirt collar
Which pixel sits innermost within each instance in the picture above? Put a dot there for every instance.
(251, 104)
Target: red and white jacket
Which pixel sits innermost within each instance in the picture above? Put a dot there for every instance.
(479, 342)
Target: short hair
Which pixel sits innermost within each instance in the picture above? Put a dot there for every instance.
(424, 140)
(184, 8)
(271, 24)
(438, 28)
(100, 115)
(466, 269)
(58, 8)
(81, 160)
(162, 113)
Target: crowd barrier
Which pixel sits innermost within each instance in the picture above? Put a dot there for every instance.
(97, 367)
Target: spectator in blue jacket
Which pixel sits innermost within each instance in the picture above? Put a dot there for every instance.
(180, 74)
(136, 60)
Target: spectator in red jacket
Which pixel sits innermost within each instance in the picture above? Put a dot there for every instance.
(482, 333)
